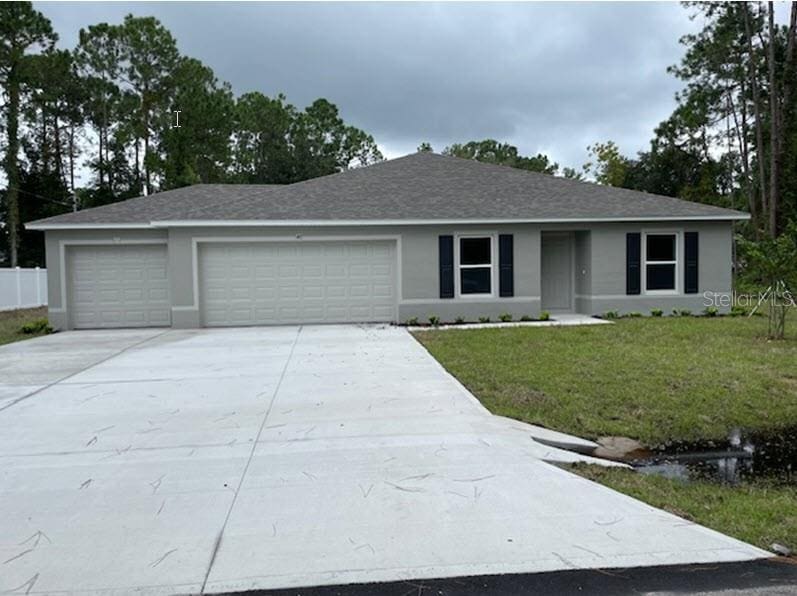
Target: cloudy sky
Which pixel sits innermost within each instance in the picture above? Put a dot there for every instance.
(550, 77)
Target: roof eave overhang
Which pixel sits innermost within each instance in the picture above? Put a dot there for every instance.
(431, 222)
(88, 226)
(248, 223)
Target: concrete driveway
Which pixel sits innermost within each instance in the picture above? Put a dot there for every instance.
(217, 460)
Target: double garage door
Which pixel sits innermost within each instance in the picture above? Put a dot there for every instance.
(263, 283)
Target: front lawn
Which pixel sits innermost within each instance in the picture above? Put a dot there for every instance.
(11, 322)
(652, 379)
(759, 513)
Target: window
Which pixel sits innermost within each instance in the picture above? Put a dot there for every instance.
(661, 262)
(475, 265)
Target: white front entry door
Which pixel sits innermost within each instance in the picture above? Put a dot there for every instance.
(266, 283)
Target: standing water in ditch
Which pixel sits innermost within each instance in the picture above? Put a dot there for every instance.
(743, 456)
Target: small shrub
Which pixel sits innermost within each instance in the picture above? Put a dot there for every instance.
(526, 318)
(656, 312)
(36, 326)
(611, 314)
(738, 310)
(710, 311)
(459, 320)
(685, 312)
(434, 320)
(775, 265)
(676, 312)
(412, 321)
(505, 317)
(545, 315)
(633, 315)
(484, 319)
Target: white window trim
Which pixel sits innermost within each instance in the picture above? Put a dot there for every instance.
(493, 236)
(677, 262)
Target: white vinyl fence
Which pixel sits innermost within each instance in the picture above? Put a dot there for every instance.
(22, 288)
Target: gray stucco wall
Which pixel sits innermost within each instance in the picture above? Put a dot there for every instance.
(599, 266)
(608, 277)
(419, 291)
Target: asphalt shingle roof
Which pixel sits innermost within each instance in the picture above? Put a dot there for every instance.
(422, 186)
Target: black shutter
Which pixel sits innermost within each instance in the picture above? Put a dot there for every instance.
(633, 263)
(446, 266)
(506, 275)
(690, 262)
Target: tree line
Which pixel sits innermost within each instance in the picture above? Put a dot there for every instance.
(732, 139)
(109, 107)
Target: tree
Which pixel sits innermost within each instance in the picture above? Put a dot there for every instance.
(50, 118)
(275, 143)
(54, 116)
(752, 71)
(324, 144)
(538, 163)
(21, 29)
(262, 152)
(774, 126)
(199, 149)
(608, 166)
(739, 102)
(425, 147)
(572, 173)
(98, 60)
(491, 151)
(713, 112)
(788, 120)
(149, 59)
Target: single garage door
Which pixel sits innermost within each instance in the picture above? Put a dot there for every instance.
(264, 283)
(118, 286)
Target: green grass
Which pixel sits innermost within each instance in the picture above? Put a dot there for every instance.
(759, 513)
(652, 379)
(12, 320)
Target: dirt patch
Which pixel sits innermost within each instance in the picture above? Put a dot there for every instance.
(23, 313)
(525, 397)
(790, 381)
(619, 448)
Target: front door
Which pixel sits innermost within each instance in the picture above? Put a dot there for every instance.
(557, 271)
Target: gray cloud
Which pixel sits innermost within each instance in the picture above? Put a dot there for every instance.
(545, 77)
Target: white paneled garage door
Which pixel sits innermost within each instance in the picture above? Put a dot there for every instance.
(118, 286)
(262, 283)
